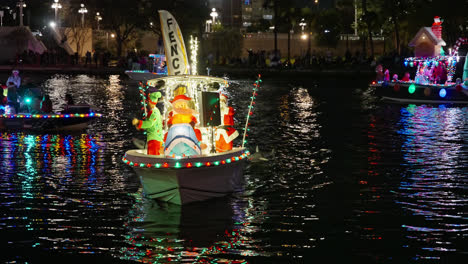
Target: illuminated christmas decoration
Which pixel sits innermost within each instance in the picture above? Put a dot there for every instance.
(179, 163)
(50, 115)
(194, 54)
(252, 102)
(411, 88)
(442, 92)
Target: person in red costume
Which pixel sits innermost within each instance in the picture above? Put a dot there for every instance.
(226, 133)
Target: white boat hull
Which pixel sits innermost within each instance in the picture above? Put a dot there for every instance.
(187, 185)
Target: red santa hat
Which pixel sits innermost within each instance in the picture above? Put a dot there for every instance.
(181, 97)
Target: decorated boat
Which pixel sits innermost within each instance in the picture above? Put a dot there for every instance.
(158, 69)
(76, 118)
(190, 154)
(434, 75)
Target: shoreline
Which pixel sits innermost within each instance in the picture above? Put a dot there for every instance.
(215, 71)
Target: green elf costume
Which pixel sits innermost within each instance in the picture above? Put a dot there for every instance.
(152, 125)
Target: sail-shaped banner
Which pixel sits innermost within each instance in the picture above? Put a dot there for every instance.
(174, 45)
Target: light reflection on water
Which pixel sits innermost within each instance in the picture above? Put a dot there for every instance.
(414, 194)
(434, 180)
(68, 197)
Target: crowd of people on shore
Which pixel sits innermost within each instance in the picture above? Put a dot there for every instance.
(314, 60)
(55, 57)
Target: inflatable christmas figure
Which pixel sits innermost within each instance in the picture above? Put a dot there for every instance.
(152, 124)
(182, 139)
(225, 134)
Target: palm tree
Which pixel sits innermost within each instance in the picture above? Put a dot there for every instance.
(368, 20)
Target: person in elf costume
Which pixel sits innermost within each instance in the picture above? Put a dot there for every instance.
(152, 124)
(225, 134)
(182, 139)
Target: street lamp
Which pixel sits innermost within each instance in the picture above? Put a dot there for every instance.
(302, 24)
(214, 15)
(56, 5)
(82, 11)
(208, 26)
(21, 4)
(98, 18)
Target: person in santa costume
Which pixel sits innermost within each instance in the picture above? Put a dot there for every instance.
(225, 134)
(152, 124)
(182, 139)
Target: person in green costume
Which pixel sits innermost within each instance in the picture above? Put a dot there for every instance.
(152, 124)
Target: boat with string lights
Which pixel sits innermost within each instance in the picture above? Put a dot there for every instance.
(199, 162)
(75, 119)
(157, 65)
(189, 154)
(434, 72)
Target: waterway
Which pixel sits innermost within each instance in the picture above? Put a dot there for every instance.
(348, 179)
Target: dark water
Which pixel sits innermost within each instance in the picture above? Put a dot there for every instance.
(351, 180)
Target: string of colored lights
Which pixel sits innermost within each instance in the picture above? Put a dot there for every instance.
(252, 102)
(179, 165)
(142, 90)
(50, 115)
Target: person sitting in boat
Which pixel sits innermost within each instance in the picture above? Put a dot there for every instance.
(152, 124)
(3, 96)
(35, 107)
(386, 75)
(406, 77)
(442, 74)
(395, 78)
(225, 134)
(69, 102)
(421, 78)
(46, 104)
(182, 139)
(379, 73)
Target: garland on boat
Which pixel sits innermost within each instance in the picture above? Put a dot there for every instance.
(256, 86)
(179, 165)
(39, 116)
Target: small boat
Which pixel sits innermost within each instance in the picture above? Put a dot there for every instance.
(434, 72)
(412, 92)
(158, 66)
(75, 119)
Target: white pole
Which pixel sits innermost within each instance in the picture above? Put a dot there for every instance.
(21, 3)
